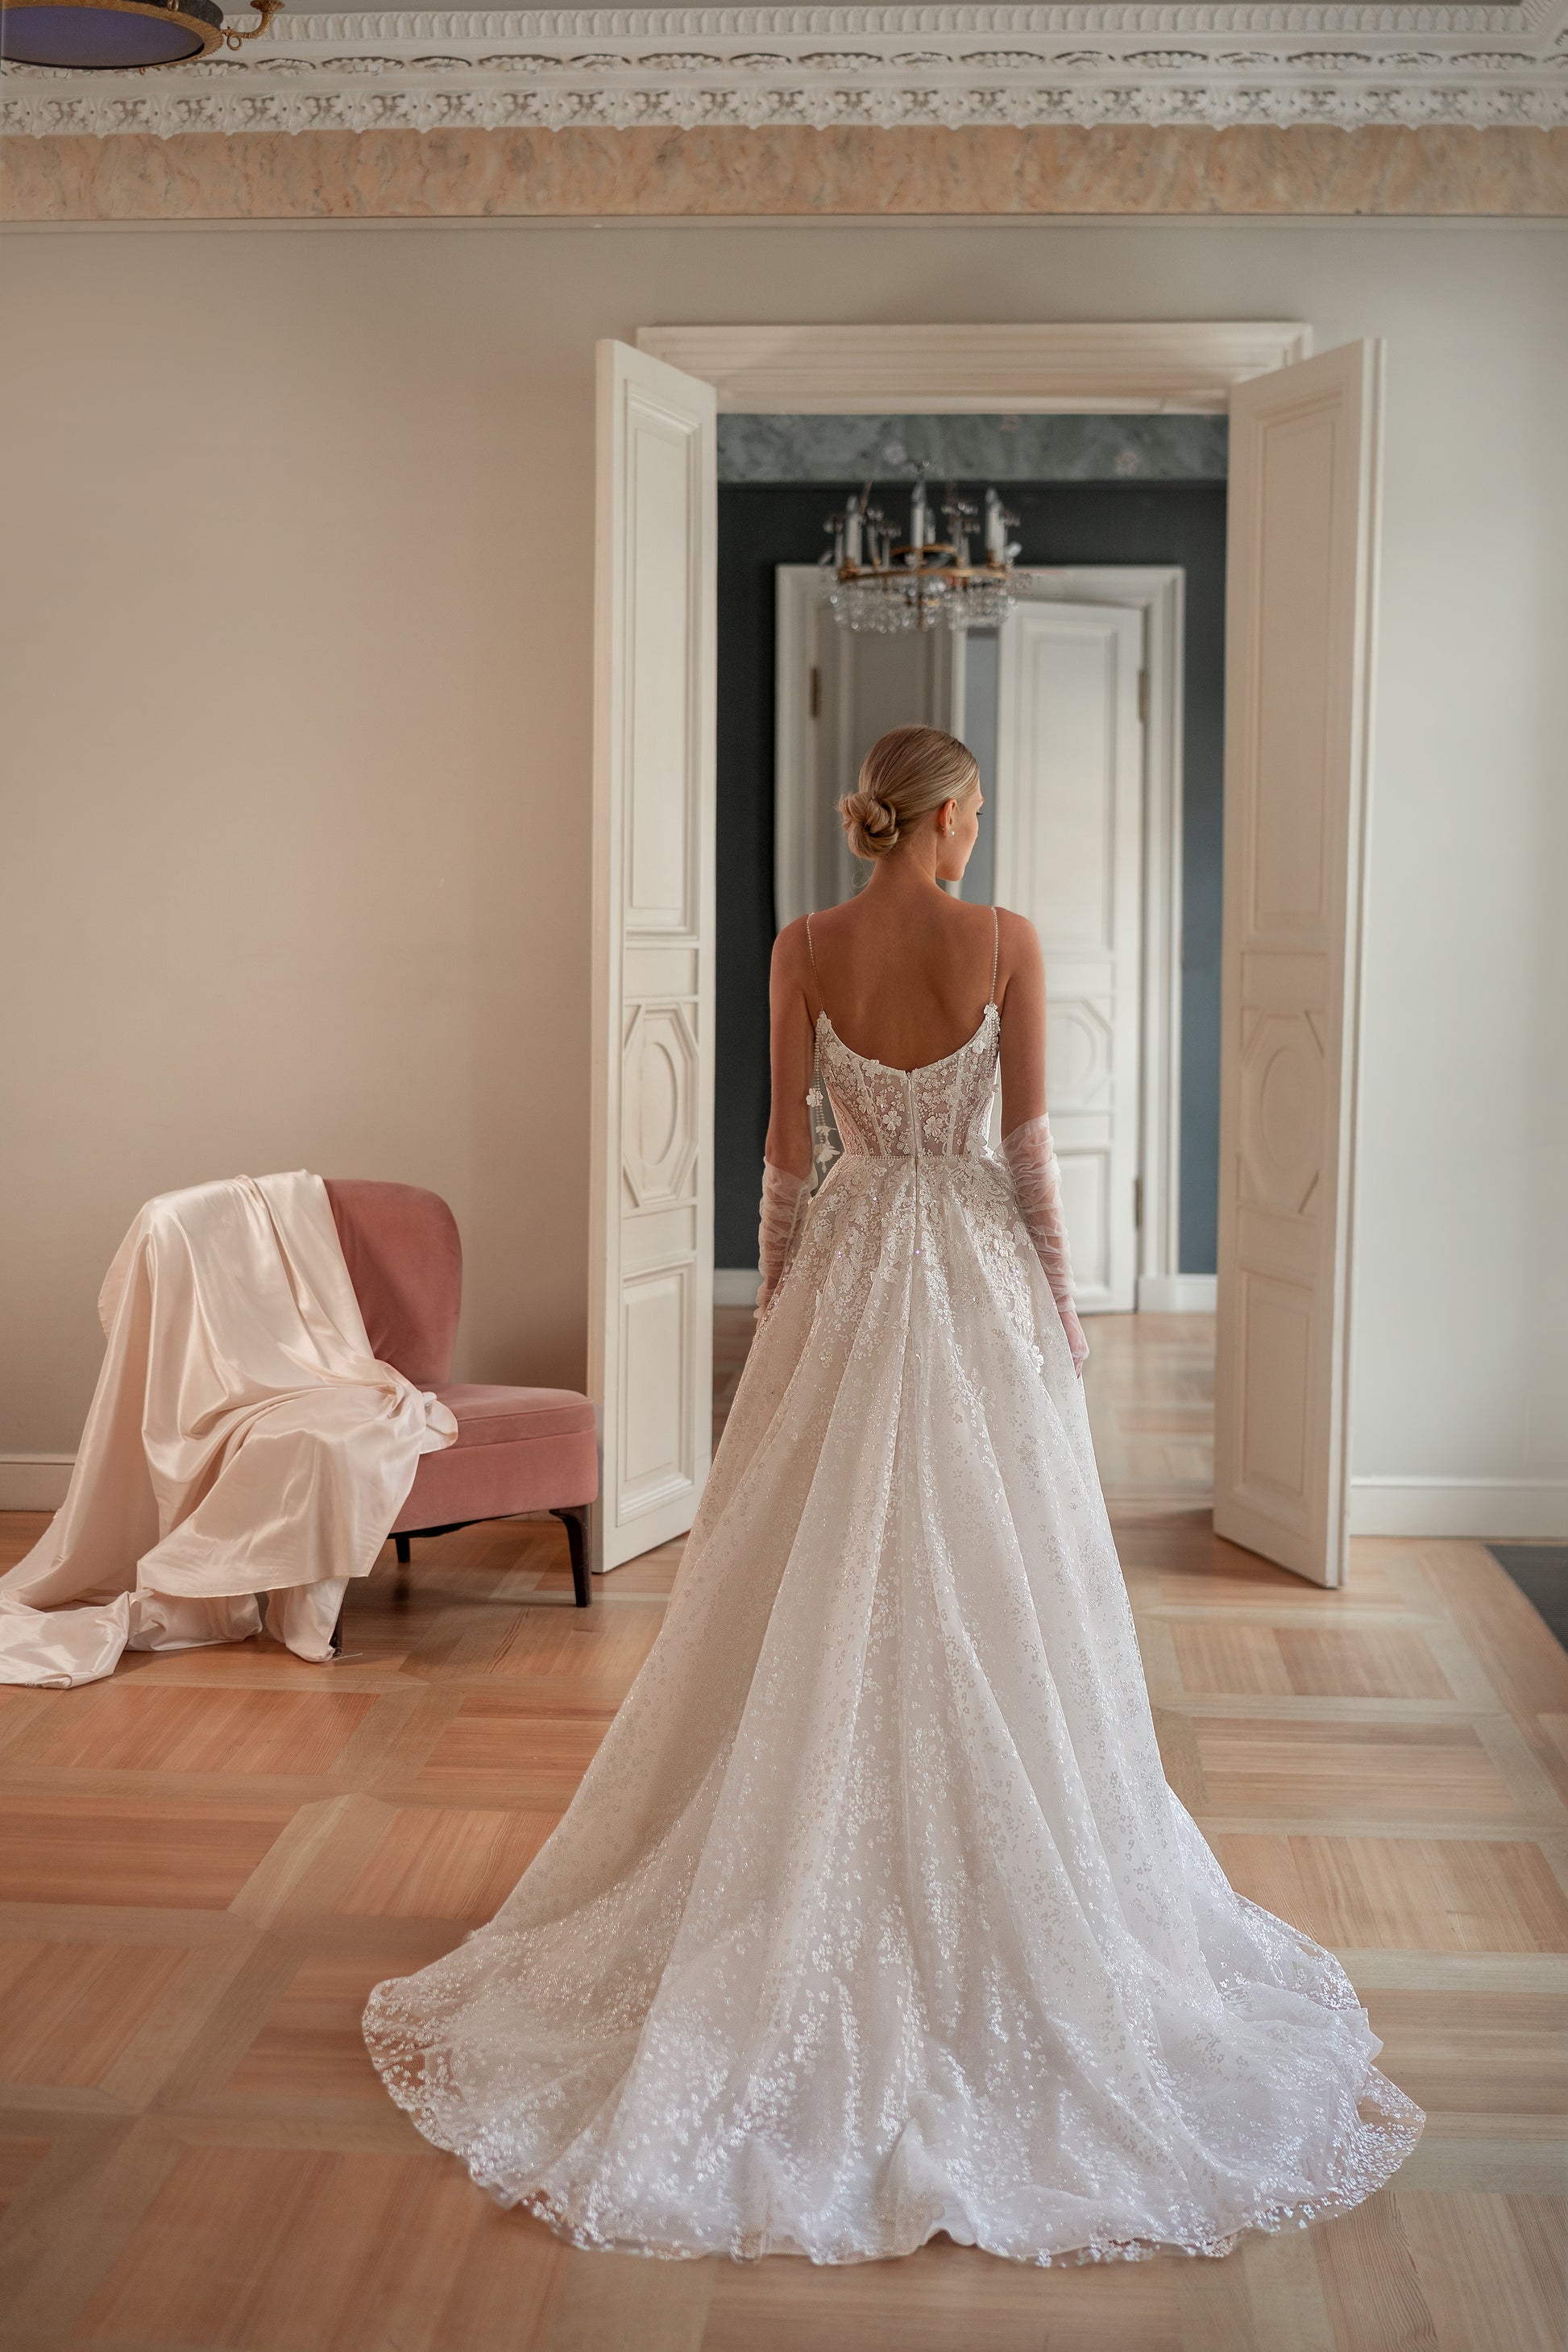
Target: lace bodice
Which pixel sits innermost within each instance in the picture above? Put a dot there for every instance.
(939, 1110)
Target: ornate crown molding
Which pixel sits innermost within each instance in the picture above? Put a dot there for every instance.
(948, 68)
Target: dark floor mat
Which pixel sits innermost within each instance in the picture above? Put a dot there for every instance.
(1540, 1572)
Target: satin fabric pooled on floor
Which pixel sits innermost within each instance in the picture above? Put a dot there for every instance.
(242, 1441)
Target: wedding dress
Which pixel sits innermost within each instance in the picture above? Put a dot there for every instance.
(874, 1915)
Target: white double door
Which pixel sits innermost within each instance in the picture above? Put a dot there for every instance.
(650, 1267)
(1300, 570)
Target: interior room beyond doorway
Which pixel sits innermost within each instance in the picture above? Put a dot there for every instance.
(1127, 492)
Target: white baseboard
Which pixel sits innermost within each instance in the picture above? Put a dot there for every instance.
(33, 1482)
(735, 1286)
(1176, 1294)
(1518, 1508)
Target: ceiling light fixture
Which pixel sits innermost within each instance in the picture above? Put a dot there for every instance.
(884, 588)
(119, 35)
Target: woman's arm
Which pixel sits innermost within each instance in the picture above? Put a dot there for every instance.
(1021, 994)
(1026, 1131)
(786, 1172)
(792, 1045)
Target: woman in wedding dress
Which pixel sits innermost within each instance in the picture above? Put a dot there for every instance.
(874, 1915)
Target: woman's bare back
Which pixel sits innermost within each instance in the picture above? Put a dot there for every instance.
(904, 974)
(904, 978)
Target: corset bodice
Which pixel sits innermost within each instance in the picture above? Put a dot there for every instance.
(938, 1111)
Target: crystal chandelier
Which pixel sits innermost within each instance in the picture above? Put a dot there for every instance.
(884, 587)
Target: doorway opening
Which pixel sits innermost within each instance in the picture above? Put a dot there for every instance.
(1301, 539)
(1096, 711)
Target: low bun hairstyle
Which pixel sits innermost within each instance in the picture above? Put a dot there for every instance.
(904, 775)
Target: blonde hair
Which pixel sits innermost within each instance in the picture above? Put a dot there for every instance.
(904, 775)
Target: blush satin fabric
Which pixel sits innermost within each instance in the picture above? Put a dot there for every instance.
(242, 1441)
(874, 1915)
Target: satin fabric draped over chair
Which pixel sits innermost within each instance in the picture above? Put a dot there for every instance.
(243, 1440)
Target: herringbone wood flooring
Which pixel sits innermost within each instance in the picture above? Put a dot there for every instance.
(206, 1862)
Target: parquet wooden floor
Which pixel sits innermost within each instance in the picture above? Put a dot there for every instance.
(206, 1862)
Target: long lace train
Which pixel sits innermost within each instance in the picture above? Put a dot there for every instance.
(874, 1915)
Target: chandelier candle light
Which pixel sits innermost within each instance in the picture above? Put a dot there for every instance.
(885, 588)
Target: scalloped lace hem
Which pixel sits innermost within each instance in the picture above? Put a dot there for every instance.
(1375, 2151)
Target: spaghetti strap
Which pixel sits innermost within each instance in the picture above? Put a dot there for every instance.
(817, 976)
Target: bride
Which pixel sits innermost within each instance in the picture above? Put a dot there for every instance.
(874, 1916)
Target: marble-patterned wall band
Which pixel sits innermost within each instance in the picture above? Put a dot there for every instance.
(974, 448)
(782, 171)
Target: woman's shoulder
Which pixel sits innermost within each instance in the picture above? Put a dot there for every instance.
(791, 948)
(1016, 932)
(1018, 955)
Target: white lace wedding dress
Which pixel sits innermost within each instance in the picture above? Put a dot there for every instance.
(874, 1916)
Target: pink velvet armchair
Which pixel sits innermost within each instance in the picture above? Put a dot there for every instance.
(518, 1449)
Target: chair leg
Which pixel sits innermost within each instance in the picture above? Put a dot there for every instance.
(573, 1518)
(337, 1631)
(403, 1554)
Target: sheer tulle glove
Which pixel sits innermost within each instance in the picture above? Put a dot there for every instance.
(783, 1202)
(1031, 1160)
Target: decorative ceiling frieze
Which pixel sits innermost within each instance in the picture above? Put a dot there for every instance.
(944, 68)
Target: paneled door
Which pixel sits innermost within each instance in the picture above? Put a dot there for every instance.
(651, 1238)
(1303, 533)
(1069, 796)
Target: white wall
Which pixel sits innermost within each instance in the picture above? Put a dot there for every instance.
(295, 643)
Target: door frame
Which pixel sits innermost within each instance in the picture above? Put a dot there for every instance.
(1122, 367)
(1178, 367)
(1158, 592)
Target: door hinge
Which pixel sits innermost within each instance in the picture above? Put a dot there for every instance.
(816, 694)
(1142, 698)
(1137, 1204)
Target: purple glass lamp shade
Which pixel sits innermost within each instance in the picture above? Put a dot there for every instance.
(107, 36)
